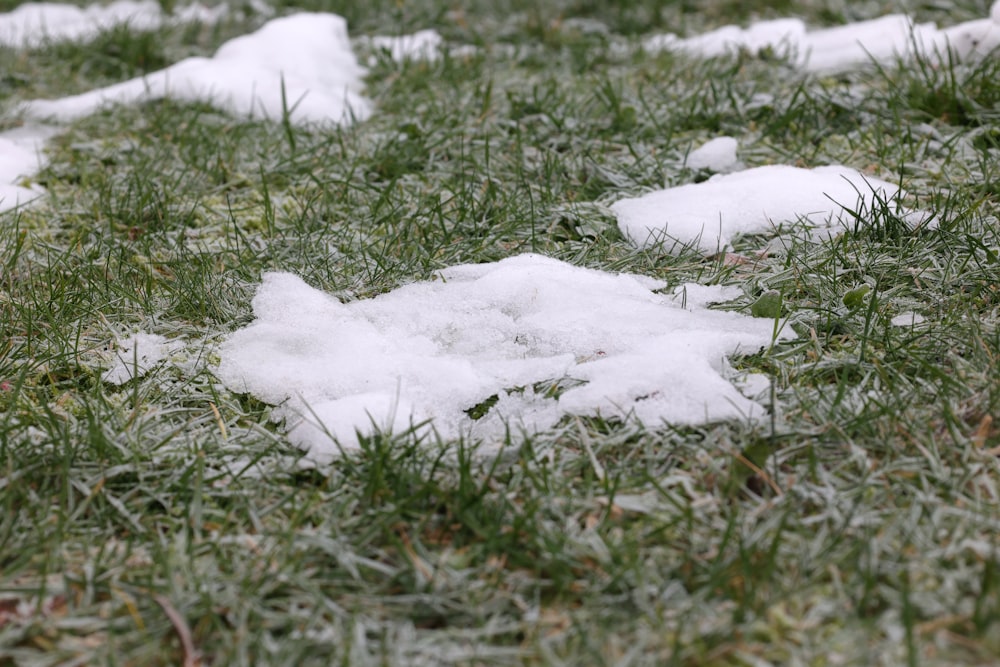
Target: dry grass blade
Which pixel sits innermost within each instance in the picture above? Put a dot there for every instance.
(192, 657)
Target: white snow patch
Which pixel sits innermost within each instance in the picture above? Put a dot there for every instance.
(37, 23)
(433, 350)
(907, 319)
(708, 215)
(755, 386)
(342, 420)
(881, 40)
(421, 45)
(782, 35)
(717, 155)
(692, 296)
(137, 354)
(306, 56)
(20, 158)
(16, 163)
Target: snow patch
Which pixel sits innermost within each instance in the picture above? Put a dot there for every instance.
(708, 215)
(36, 23)
(302, 63)
(422, 45)
(881, 40)
(784, 36)
(20, 158)
(716, 155)
(907, 319)
(521, 342)
(137, 354)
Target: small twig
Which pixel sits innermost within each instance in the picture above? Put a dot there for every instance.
(218, 420)
(192, 658)
(760, 473)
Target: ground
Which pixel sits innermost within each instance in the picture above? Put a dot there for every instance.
(169, 520)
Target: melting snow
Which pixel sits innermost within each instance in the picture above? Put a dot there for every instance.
(843, 47)
(510, 331)
(305, 58)
(708, 215)
(36, 23)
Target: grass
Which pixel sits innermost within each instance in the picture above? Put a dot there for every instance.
(145, 523)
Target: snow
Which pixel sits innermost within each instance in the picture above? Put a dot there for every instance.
(136, 355)
(717, 155)
(882, 40)
(708, 215)
(422, 355)
(20, 158)
(907, 319)
(36, 23)
(15, 162)
(305, 58)
(422, 45)
(780, 35)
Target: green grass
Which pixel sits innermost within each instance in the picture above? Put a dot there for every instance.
(857, 526)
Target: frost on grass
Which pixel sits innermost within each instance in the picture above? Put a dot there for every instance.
(37, 23)
(301, 65)
(883, 40)
(524, 341)
(708, 215)
(136, 355)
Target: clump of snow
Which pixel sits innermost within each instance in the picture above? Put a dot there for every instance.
(20, 158)
(327, 423)
(421, 45)
(882, 40)
(36, 23)
(907, 319)
(301, 63)
(717, 155)
(16, 162)
(510, 331)
(972, 40)
(137, 354)
(708, 215)
(782, 35)
(755, 386)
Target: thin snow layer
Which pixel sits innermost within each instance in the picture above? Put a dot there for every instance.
(136, 355)
(37, 23)
(717, 155)
(301, 63)
(426, 353)
(844, 47)
(708, 215)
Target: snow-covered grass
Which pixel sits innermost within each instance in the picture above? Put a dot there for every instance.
(153, 513)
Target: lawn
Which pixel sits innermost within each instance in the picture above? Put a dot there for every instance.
(165, 517)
